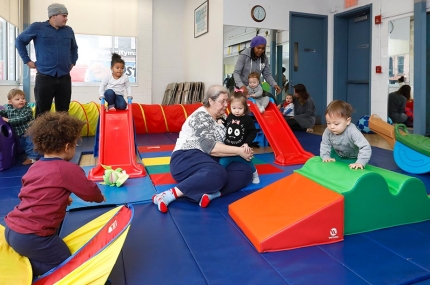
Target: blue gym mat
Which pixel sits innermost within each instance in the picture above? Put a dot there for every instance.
(192, 245)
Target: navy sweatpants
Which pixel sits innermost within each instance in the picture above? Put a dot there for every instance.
(44, 253)
(198, 173)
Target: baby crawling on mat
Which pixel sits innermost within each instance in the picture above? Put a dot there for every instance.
(343, 137)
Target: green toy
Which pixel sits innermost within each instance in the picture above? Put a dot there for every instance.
(114, 177)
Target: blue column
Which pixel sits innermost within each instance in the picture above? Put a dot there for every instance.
(25, 68)
(420, 94)
(273, 57)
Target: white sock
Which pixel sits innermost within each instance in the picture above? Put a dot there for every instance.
(255, 178)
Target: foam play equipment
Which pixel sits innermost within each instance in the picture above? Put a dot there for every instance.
(411, 151)
(161, 118)
(293, 212)
(8, 145)
(285, 146)
(384, 129)
(375, 198)
(117, 146)
(363, 125)
(94, 247)
(14, 269)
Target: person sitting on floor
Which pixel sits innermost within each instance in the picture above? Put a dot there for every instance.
(397, 104)
(194, 163)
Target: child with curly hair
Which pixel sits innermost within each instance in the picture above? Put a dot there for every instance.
(31, 227)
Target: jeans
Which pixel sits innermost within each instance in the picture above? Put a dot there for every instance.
(26, 145)
(115, 100)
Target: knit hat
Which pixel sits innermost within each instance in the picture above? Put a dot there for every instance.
(56, 9)
(258, 40)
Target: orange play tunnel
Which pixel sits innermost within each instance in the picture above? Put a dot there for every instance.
(290, 213)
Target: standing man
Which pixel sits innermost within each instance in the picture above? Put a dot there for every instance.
(56, 53)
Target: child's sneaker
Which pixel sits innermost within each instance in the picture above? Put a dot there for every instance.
(255, 178)
(110, 109)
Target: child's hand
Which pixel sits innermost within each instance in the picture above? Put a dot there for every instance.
(131, 97)
(5, 119)
(329, 160)
(101, 97)
(70, 201)
(247, 148)
(104, 198)
(356, 166)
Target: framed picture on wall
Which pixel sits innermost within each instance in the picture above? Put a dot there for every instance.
(201, 19)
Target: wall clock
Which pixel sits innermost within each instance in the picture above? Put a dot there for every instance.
(258, 13)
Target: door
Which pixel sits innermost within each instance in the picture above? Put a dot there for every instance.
(308, 57)
(358, 71)
(351, 61)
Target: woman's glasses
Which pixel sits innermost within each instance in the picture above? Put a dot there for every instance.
(222, 102)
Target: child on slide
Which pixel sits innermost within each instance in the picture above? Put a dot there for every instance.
(343, 137)
(31, 227)
(255, 91)
(114, 86)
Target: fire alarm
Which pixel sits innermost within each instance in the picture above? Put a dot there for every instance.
(378, 19)
(378, 69)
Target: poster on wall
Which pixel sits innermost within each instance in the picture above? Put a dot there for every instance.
(201, 19)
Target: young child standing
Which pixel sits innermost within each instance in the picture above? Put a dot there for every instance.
(343, 136)
(255, 91)
(31, 226)
(287, 108)
(240, 131)
(114, 86)
(19, 115)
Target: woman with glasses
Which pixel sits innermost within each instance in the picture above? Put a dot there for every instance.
(194, 161)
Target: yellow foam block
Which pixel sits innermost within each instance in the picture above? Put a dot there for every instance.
(156, 161)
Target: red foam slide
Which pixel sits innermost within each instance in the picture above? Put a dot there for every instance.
(116, 144)
(285, 146)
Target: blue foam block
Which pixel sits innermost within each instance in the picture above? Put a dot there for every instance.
(133, 190)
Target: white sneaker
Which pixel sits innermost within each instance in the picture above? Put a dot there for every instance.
(255, 178)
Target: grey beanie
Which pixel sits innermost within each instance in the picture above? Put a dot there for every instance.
(56, 9)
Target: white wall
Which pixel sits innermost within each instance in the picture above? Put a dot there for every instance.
(204, 54)
(168, 46)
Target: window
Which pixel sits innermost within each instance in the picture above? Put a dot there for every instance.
(94, 57)
(401, 64)
(8, 54)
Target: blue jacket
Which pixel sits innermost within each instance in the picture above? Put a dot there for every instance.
(56, 50)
